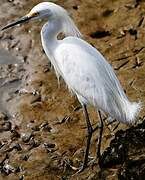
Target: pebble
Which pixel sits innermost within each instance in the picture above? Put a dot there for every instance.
(5, 126)
(36, 128)
(14, 134)
(33, 143)
(26, 137)
(45, 127)
(49, 145)
(8, 169)
(3, 116)
(24, 157)
(14, 146)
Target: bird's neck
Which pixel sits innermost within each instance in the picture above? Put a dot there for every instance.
(49, 40)
(49, 33)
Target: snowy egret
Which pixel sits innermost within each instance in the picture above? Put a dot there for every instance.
(86, 72)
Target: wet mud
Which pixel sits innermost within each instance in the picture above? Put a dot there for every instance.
(42, 129)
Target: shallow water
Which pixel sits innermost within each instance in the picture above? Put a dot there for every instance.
(8, 85)
(7, 58)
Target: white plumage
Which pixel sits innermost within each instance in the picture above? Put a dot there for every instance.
(86, 72)
(84, 69)
(92, 79)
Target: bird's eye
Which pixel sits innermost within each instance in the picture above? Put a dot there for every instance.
(35, 14)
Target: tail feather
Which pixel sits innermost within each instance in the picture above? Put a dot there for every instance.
(129, 111)
(132, 110)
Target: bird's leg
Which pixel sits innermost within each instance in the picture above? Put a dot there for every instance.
(90, 132)
(100, 135)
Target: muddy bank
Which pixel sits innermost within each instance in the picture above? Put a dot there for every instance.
(41, 125)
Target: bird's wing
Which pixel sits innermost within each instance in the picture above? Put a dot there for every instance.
(86, 72)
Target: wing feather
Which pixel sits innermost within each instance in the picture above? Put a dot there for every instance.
(89, 75)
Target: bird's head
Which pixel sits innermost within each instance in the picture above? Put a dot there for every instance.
(40, 11)
(51, 12)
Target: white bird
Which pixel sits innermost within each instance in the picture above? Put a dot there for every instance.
(86, 72)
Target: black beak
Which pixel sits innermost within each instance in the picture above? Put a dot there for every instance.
(20, 21)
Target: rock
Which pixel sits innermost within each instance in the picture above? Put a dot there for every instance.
(33, 143)
(26, 137)
(8, 169)
(133, 169)
(14, 146)
(36, 128)
(14, 134)
(5, 126)
(3, 116)
(124, 149)
(24, 157)
(49, 145)
(45, 127)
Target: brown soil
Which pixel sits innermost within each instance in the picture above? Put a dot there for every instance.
(41, 125)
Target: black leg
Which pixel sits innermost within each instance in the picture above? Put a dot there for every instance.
(100, 134)
(90, 132)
